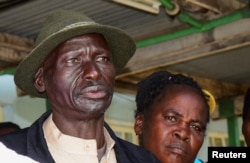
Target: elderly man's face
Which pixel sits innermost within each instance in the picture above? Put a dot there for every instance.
(79, 76)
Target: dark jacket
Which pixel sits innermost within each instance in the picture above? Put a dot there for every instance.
(30, 142)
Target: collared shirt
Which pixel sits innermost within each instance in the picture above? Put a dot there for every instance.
(66, 149)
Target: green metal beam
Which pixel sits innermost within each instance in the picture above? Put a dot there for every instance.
(196, 28)
(226, 110)
(9, 71)
(168, 4)
(233, 132)
(48, 105)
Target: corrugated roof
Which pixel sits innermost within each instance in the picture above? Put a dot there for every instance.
(26, 19)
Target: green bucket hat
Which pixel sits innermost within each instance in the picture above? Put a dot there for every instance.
(61, 26)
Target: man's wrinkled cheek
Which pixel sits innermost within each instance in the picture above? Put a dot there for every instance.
(67, 78)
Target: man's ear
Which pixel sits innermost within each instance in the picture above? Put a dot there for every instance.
(139, 124)
(39, 82)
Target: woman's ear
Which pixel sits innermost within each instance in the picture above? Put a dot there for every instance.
(39, 82)
(139, 124)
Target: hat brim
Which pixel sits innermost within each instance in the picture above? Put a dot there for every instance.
(121, 45)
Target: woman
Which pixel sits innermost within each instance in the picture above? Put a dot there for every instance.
(171, 117)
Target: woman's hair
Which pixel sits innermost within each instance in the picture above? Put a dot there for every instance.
(153, 85)
(246, 105)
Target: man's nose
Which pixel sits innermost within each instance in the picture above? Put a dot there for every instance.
(91, 71)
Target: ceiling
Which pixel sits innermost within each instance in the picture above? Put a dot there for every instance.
(207, 39)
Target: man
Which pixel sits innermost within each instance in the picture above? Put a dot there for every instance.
(246, 118)
(74, 65)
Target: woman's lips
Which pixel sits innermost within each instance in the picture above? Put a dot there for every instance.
(177, 149)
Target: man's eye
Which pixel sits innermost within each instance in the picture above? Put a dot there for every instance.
(102, 59)
(73, 60)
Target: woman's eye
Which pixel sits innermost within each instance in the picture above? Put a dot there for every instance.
(170, 118)
(196, 127)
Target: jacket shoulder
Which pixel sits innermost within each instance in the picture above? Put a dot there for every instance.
(16, 140)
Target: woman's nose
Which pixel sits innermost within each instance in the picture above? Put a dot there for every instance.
(182, 132)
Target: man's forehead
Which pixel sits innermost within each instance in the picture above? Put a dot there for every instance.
(70, 42)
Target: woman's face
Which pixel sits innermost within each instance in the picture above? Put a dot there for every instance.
(174, 126)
